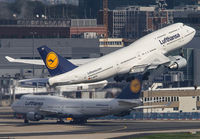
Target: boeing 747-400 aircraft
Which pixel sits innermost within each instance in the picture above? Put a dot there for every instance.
(37, 107)
(42, 82)
(145, 54)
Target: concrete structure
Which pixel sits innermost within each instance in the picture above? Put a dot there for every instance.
(111, 42)
(78, 32)
(181, 100)
(50, 28)
(79, 27)
(136, 21)
(189, 15)
(34, 32)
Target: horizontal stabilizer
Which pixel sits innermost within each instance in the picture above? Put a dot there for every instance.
(25, 61)
(35, 82)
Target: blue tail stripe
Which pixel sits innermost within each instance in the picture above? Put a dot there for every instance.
(63, 65)
(132, 90)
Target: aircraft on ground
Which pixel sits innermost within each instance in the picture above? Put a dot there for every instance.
(37, 107)
(147, 53)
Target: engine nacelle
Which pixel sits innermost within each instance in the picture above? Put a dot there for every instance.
(34, 116)
(124, 113)
(178, 62)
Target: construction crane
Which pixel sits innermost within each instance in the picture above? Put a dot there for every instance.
(105, 16)
(161, 4)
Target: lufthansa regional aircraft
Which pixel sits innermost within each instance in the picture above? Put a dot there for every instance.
(143, 55)
(37, 107)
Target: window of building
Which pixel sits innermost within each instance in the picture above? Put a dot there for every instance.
(197, 98)
(168, 99)
(175, 108)
(198, 107)
(172, 99)
(160, 99)
(157, 99)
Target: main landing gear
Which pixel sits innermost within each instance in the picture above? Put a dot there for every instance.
(26, 121)
(78, 121)
(60, 121)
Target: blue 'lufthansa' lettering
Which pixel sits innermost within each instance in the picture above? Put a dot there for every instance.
(170, 38)
(33, 103)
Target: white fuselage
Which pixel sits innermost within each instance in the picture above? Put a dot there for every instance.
(71, 107)
(121, 61)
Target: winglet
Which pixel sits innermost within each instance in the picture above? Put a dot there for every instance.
(10, 59)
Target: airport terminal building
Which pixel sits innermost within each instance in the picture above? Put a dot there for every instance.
(180, 100)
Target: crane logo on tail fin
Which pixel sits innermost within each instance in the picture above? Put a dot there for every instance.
(52, 60)
(135, 86)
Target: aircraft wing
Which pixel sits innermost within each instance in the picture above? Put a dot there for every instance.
(139, 102)
(152, 106)
(77, 62)
(150, 63)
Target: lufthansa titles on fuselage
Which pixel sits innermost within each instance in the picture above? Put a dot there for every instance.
(170, 38)
(33, 103)
(90, 72)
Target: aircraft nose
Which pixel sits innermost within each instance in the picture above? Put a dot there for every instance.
(192, 30)
(14, 105)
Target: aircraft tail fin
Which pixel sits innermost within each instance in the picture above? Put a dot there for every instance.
(55, 63)
(132, 90)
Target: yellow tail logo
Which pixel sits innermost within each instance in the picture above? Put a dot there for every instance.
(135, 86)
(52, 60)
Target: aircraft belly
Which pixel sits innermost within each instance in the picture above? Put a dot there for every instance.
(19, 109)
(72, 111)
(95, 111)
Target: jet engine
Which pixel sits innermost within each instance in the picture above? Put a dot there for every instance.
(34, 116)
(124, 113)
(178, 62)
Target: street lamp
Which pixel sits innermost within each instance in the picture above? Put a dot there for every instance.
(33, 33)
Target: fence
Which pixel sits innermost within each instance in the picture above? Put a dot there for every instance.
(158, 116)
